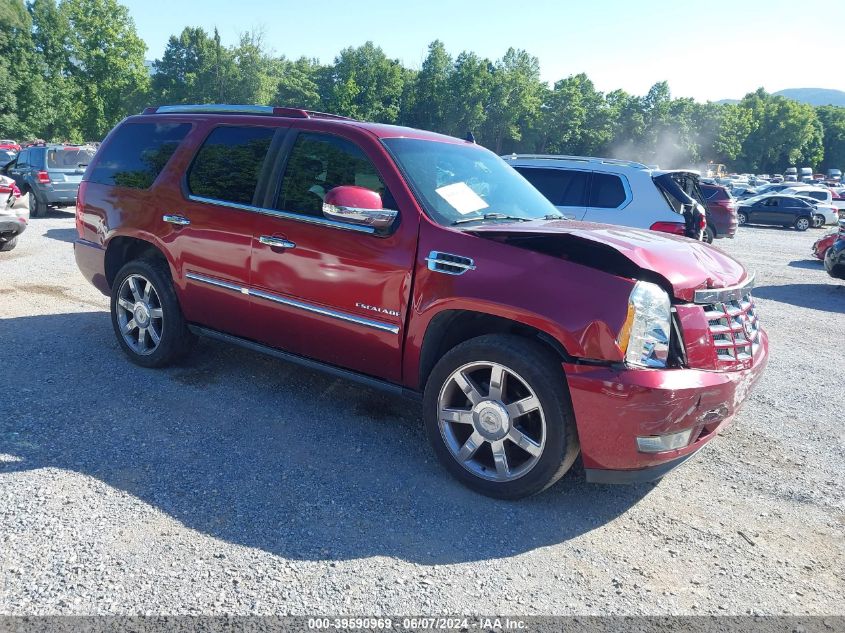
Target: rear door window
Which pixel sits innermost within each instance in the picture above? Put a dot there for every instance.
(606, 191)
(137, 153)
(229, 163)
(562, 187)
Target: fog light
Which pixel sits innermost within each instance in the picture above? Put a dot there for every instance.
(660, 443)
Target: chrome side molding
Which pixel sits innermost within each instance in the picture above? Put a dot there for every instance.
(301, 305)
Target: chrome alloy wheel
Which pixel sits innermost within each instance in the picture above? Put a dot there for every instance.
(491, 421)
(139, 314)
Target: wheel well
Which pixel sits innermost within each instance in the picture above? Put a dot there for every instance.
(123, 249)
(453, 327)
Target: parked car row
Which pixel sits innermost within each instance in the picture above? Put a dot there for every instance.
(50, 173)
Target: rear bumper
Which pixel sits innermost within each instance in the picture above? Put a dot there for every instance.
(59, 194)
(91, 261)
(11, 226)
(615, 406)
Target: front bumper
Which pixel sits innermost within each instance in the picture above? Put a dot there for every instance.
(91, 261)
(615, 406)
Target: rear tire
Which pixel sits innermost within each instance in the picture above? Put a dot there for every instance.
(802, 223)
(9, 245)
(37, 209)
(818, 221)
(143, 298)
(709, 234)
(492, 446)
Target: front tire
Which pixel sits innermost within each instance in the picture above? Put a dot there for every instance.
(146, 315)
(742, 218)
(802, 224)
(498, 415)
(709, 234)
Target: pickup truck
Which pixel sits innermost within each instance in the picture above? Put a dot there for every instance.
(424, 265)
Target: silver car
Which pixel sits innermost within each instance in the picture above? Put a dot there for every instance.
(615, 191)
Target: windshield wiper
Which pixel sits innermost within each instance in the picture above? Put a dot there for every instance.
(490, 216)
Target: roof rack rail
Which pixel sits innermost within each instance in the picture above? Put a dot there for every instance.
(583, 159)
(222, 108)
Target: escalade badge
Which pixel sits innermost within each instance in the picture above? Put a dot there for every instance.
(364, 306)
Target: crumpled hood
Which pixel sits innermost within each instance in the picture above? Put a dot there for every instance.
(686, 264)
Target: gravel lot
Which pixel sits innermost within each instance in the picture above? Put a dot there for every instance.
(241, 484)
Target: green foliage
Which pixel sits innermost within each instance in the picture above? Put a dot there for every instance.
(71, 69)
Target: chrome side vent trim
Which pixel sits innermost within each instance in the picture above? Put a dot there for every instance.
(449, 264)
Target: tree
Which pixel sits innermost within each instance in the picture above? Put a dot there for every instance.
(195, 68)
(365, 84)
(468, 94)
(783, 133)
(515, 99)
(832, 119)
(431, 90)
(106, 62)
(298, 85)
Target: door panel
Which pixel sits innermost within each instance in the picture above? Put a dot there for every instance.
(340, 293)
(209, 226)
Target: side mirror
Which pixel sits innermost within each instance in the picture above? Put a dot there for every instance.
(357, 205)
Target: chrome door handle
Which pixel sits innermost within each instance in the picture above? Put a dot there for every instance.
(276, 242)
(176, 219)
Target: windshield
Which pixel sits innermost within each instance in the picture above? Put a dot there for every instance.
(467, 183)
(70, 158)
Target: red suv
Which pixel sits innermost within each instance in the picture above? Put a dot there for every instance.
(721, 212)
(424, 265)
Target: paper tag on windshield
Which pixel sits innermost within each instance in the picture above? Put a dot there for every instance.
(460, 196)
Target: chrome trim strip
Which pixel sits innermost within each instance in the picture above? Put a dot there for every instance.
(721, 295)
(286, 215)
(216, 282)
(342, 316)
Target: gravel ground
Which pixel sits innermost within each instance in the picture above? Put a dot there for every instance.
(241, 484)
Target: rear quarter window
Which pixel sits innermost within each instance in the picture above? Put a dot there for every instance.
(606, 191)
(137, 153)
(229, 163)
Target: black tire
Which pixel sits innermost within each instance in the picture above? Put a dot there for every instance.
(741, 218)
(9, 245)
(37, 208)
(176, 339)
(803, 223)
(818, 221)
(541, 371)
(709, 234)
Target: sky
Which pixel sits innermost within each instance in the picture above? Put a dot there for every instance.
(708, 51)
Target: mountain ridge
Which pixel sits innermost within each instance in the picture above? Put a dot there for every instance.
(810, 96)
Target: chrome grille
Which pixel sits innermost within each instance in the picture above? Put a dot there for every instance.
(734, 326)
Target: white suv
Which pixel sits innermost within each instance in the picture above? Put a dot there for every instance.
(615, 191)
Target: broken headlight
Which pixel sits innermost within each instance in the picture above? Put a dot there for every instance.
(644, 338)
